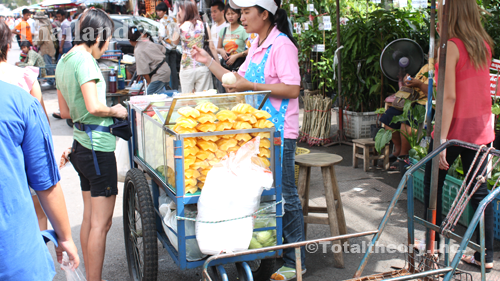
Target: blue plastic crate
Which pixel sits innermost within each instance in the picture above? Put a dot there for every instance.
(496, 212)
(450, 190)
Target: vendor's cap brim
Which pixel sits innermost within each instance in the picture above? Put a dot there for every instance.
(269, 5)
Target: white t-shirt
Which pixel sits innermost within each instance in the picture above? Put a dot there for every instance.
(216, 31)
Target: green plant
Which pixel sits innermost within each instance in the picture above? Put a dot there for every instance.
(491, 24)
(363, 84)
(413, 115)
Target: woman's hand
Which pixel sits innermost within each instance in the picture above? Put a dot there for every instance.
(241, 85)
(200, 55)
(232, 59)
(443, 164)
(119, 111)
(412, 82)
(224, 55)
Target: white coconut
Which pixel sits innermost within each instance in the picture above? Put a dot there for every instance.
(228, 78)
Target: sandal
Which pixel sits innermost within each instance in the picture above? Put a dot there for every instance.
(285, 274)
(472, 261)
(56, 115)
(394, 166)
(419, 246)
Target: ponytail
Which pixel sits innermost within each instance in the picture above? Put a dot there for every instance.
(280, 19)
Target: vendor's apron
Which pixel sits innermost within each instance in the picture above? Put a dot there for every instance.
(255, 74)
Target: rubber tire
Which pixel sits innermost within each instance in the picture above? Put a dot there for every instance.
(265, 270)
(136, 183)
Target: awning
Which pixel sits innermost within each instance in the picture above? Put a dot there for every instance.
(48, 3)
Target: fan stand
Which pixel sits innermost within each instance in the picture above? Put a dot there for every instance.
(340, 137)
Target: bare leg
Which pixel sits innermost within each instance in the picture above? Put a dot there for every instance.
(396, 139)
(100, 223)
(40, 214)
(405, 145)
(85, 229)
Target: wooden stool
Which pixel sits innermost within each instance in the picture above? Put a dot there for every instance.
(334, 209)
(369, 153)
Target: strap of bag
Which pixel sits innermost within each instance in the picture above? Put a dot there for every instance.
(224, 35)
(158, 66)
(88, 129)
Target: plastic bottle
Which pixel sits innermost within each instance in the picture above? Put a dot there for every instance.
(112, 81)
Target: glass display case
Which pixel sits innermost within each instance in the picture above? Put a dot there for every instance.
(183, 159)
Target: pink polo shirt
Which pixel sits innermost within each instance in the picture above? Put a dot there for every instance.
(282, 67)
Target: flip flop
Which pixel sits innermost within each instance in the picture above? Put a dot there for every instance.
(56, 115)
(392, 158)
(394, 166)
(475, 263)
(285, 274)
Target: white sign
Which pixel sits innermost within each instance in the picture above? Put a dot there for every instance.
(377, 1)
(319, 48)
(419, 3)
(403, 3)
(291, 8)
(306, 26)
(311, 8)
(328, 26)
(321, 26)
(326, 19)
(295, 9)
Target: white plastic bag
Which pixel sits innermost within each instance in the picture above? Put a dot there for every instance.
(232, 193)
(122, 159)
(71, 275)
(193, 252)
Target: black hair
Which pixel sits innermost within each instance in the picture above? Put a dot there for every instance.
(76, 15)
(162, 7)
(94, 23)
(26, 11)
(5, 39)
(135, 33)
(219, 4)
(227, 8)
(62, 13)
(25, 44)
(280, 19)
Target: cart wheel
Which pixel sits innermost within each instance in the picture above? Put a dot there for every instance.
(139, 228)
(262, 269)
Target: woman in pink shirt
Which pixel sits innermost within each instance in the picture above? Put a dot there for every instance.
(272, 65)
(466, 108)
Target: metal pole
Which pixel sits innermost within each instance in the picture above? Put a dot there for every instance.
(339, 78)
(431, 212)
(431, 68)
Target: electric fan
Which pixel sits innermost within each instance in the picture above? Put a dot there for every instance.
(401, 57)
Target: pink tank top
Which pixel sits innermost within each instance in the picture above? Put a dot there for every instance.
(472, 121)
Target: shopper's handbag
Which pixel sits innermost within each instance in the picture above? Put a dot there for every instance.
(402, 96)
(236, 65)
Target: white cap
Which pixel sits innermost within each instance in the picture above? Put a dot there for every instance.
(269, 5)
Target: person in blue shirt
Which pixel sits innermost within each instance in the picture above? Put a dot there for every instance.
(27, 157)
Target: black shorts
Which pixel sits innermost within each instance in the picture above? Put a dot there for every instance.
(386, 118)
(104, 185)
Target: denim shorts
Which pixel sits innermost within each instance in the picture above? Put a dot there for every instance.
(104, 185)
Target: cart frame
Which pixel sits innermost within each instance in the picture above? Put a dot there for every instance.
(177, 194)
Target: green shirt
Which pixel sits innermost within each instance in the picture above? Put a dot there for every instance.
(234, 41)
(73, 70)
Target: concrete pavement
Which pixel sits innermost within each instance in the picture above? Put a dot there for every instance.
(365, 197)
